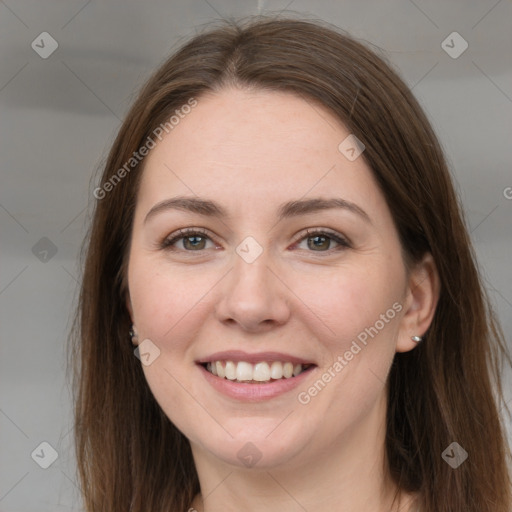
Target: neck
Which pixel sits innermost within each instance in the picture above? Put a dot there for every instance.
(350, 475)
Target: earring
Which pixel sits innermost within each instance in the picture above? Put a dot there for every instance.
(416, 339)
(133, 335)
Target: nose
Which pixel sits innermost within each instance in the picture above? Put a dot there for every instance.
(253, 297)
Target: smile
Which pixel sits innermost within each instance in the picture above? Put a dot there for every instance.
(253, 377)
(259, 373)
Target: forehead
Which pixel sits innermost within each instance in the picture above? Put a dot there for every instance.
(255, 122)
(249, 145)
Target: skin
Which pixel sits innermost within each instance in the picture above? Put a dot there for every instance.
(250, 152)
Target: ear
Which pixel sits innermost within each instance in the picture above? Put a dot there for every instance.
(129, 305)
(421, 300)
(135, 340)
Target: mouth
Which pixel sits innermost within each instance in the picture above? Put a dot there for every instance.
(254, 377)
(262, 372)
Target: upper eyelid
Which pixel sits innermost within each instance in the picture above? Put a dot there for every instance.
(319, 231)
(187, 232)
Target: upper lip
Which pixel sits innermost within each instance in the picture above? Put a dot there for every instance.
(257, 357)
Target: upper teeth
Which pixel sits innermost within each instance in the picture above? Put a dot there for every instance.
(261, 372)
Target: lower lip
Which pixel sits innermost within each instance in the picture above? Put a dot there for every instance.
(254, 392)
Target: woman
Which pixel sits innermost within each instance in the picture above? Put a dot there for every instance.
(277, 232)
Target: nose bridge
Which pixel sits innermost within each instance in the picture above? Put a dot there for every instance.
(253, 295)
(253, 274)
(252, 280)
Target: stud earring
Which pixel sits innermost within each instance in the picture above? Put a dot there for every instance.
(416, 339)
(133, 335)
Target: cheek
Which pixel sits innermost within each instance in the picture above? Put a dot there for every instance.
(350, 301)
(362, 309)
(165, 303)
(167, 307)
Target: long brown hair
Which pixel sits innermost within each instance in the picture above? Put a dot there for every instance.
(130, 456)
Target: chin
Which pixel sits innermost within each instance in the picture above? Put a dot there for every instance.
(254, 448)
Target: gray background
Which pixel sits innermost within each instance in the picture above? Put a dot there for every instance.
(59, 115)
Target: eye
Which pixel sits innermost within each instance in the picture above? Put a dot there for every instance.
(196, 239)
(193, 240)
(321, 241)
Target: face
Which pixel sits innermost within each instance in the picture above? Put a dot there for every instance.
(270, 277)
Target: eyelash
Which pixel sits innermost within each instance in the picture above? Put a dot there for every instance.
(168, 242)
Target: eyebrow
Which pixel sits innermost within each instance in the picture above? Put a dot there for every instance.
(290, 209)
